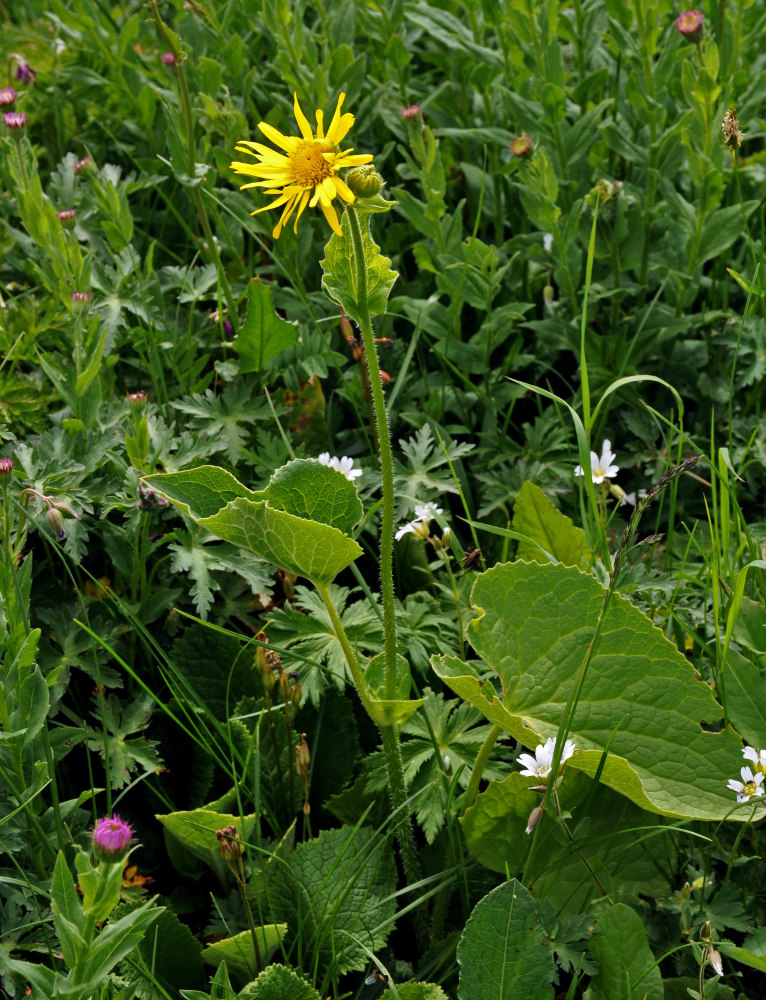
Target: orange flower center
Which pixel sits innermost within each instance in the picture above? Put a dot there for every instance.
(307, 163)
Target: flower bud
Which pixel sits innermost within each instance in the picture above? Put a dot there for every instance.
(410, 112)
(82, 164)
(714, 957)
(345, 326)
(111, 839)
(6, 469)
(691, 25)
(283, 685)
(168, 59)
(67, 216)
(534, 818)
(7, 96)
(24, 71)
(56, 522)
(365, 181)
(521, 145)
(302, 758)
(15, 120)
(230, 845)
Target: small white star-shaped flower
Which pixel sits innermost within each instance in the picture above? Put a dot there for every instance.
(343, 465)
(540, 765)
(424, 514)
(750, 787)
(758, 757)
(601, 467)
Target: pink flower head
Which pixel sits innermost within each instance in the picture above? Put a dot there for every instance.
(67, 215)
(15, 119)
(111, 839)
(411, 111)
(6, 468)
(81, 298)
(521, 145)
(691, 25)
(168, 59)
(7, 96)
(82, 164)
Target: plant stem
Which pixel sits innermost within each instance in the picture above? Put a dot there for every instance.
(384, 452)
(478, 768)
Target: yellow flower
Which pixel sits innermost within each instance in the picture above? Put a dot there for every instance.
(308, 164)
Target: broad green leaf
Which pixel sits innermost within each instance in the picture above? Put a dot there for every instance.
(275, 523)
(32, 708)
(344, 879)
(390, 711)
(316, 492)
(68, 917)
(173, 954)
(100, 886)
(678, 989)
(340, 279)
(306, 548)
(721, 228)
(238, 951)
(195, 832)
(417, 991)
(501, 953)
(263, 334)
(743, 689)
(626, 965)
(607, 835)
(199, 492)
(535, 516)
(279, 982)
(639, 697)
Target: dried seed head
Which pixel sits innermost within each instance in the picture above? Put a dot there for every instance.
(732, 135)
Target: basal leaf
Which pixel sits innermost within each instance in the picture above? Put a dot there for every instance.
(342, 880)
(640, 697)
(606, 831)
(194, 831)
(626, 965)
(264, 333)
(238, 951)
(535, 516)
(277, 983)
(501, 953)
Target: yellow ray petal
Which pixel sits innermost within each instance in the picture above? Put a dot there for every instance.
(286, 142)
(338, 125)
(332, 217)
(344, 190)
(303, 124)
(302, 204)
(320, 123)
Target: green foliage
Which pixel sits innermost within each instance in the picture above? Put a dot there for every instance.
(264, 334)
(335, 894)
(625, 962)
(501, 951)
(639, 700)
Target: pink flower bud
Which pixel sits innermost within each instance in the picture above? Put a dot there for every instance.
(111, 839)
(691, 25)
(15, 119)
(7, 96)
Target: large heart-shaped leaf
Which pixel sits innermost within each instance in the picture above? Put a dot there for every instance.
(639, 699)
(300, 522)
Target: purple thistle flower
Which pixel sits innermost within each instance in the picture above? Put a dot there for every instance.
(410, 112)
(111, 839)
(7, 96)
(15, 119)
(80, 298)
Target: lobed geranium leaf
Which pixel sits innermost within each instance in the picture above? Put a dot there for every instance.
(640, 698)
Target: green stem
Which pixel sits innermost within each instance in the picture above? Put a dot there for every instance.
(353, 664)
(385, 454)
(478, 768)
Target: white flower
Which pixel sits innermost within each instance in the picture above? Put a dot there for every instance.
(540, 765)
(547, 241)
(601, 468)
(758, 757)
(750, 787)
(424, 514)
(343, 465)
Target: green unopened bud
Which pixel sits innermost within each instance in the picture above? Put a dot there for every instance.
(365, 181)
(302, 758)
(283, 684)
(56, 522)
